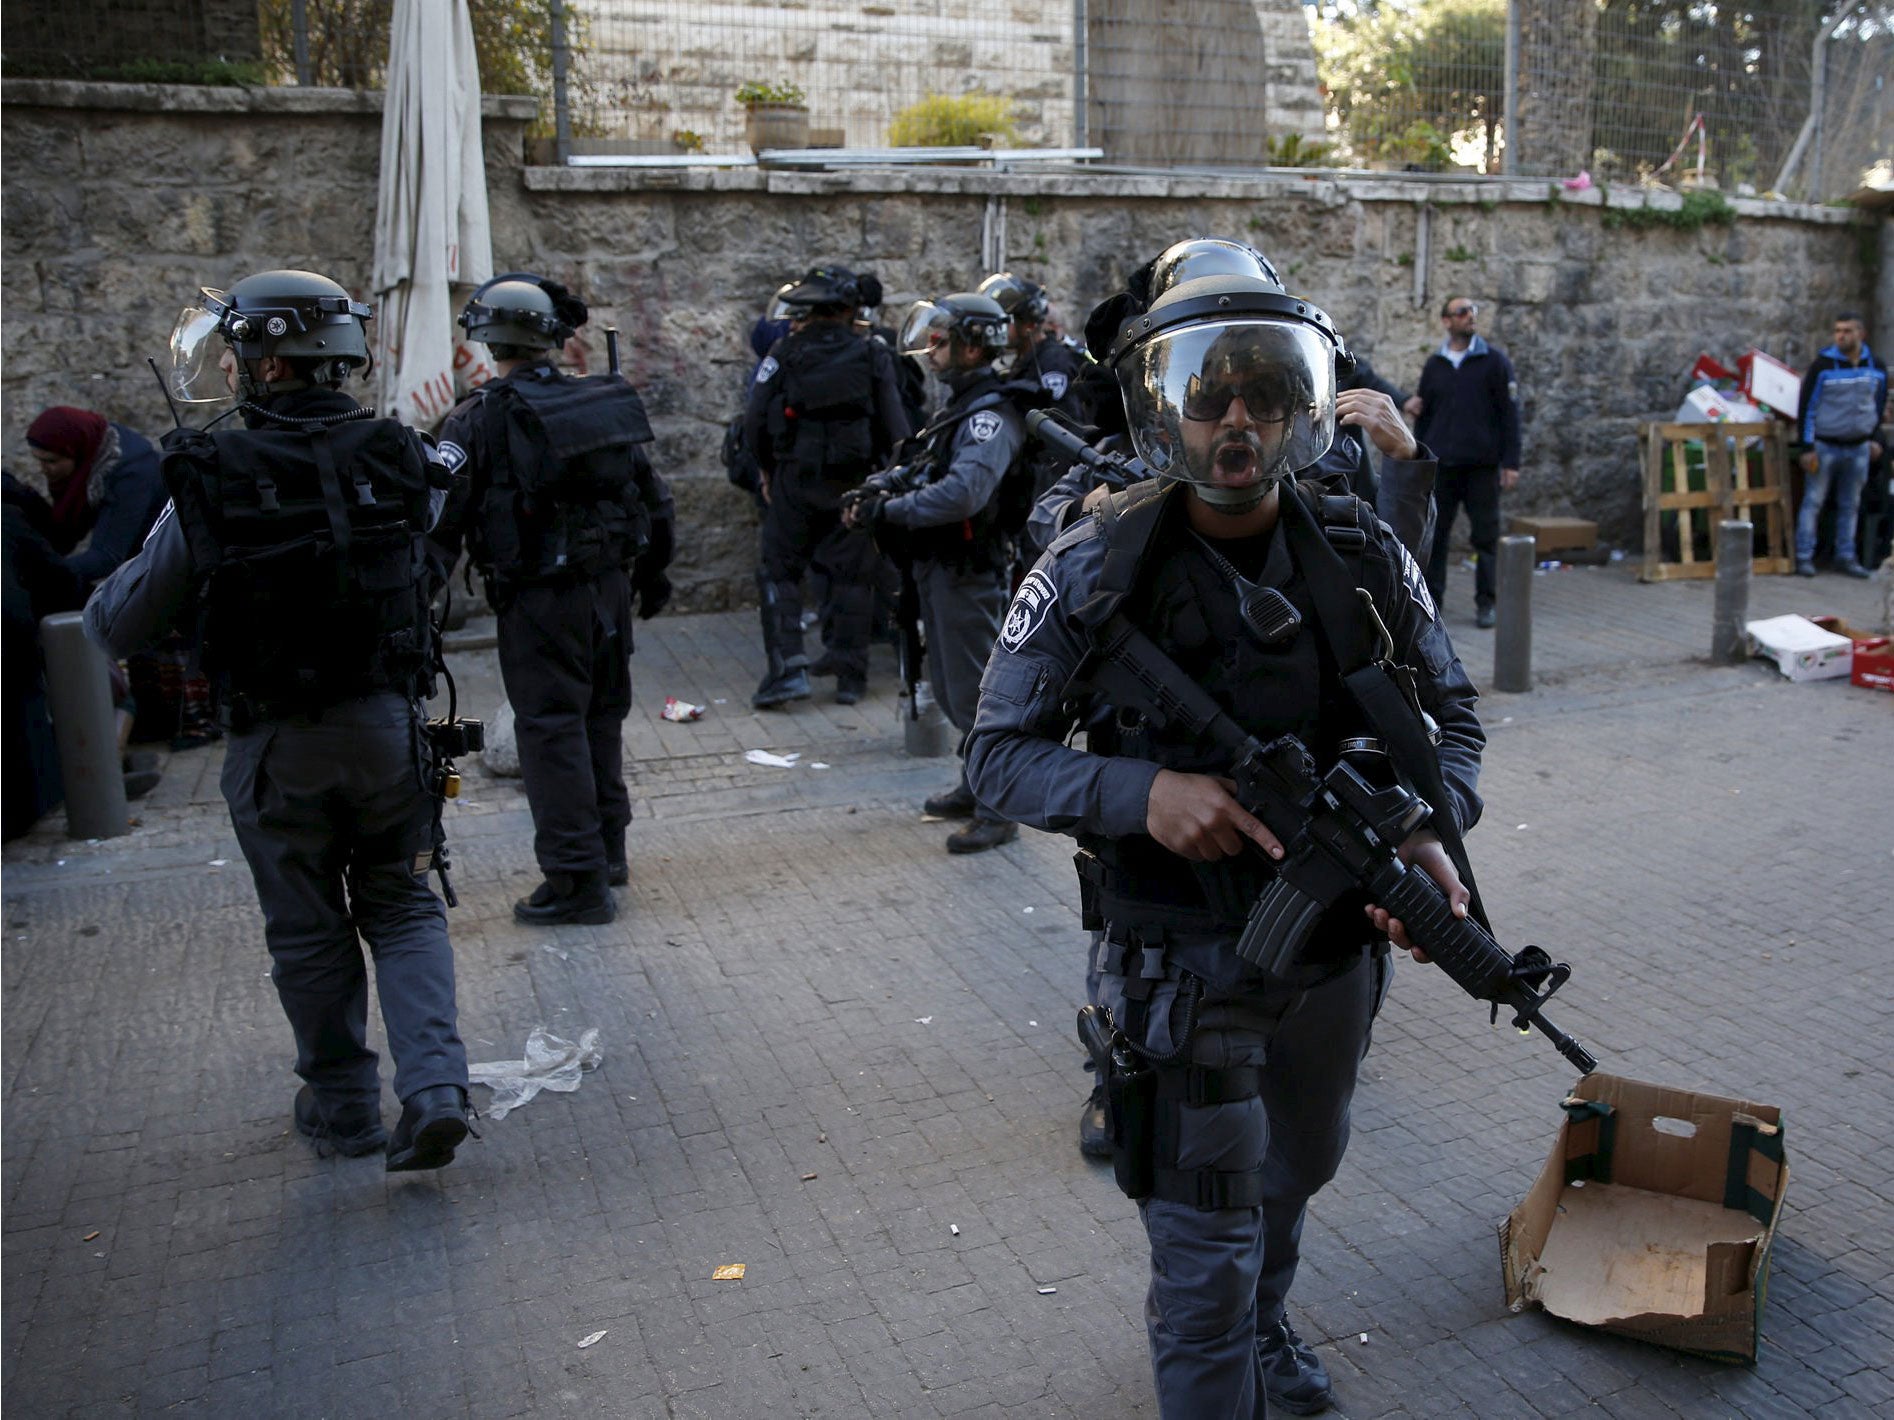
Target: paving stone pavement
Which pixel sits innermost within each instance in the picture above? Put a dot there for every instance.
(828, 1045)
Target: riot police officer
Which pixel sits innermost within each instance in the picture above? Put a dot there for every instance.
(1246, 576)
(952, 522)
(1038, 355)
(299, 542)
(568, 523)
(824, 412)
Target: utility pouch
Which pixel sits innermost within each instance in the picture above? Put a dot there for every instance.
(1131, 1106)
(1130, 1101)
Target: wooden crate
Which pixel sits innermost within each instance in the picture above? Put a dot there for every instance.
(1731, 489)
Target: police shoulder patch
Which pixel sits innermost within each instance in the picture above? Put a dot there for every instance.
(451, 454)
(983, 426)
(1416, 583)
(766, 370)
(1055, 383)
(1032, 603)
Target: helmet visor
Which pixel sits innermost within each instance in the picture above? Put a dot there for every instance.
(197, 351)
(928, 327)
(1231, 403)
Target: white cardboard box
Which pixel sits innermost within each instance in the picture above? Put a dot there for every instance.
(1769, 381)
(1801, 649)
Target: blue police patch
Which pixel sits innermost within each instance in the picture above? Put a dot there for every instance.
(452, 455)
(1055, 384)
(1031, 605)
(983, 426)
(766, 369)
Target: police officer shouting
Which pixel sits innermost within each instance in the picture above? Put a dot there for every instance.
(568, 522)
(952, 525)
(1247, 580)
(299, 542)
(824, 412)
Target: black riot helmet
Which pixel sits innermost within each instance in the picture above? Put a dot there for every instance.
(521, 311)
(1025, 301)
(1228, 383)
(299, 316)
(964, 320)
(833, 290)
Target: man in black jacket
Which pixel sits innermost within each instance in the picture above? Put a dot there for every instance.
(1467, 411)
(297, 541)
(569, 523)
(824, 412)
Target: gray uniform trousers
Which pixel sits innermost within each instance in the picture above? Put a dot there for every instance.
(333, 818)
(961, 611)
(565, 660)
(1220, 1276)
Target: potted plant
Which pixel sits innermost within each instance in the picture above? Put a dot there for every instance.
(776, 116)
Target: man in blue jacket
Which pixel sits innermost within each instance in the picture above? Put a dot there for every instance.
(1467, 411)
(1843, 396)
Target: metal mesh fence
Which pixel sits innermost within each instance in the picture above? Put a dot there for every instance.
(1623, 89)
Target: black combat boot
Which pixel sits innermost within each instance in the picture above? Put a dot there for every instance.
(1293, 1375)
(433, 1122)
(582, 898)
(617, 868)
(350, 1131)
(982, 834)
(957, 802)
(781, 689)
(849, 689)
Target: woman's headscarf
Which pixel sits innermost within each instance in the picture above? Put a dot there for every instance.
(77, 434)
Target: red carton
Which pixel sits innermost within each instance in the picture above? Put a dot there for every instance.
(1872, 663)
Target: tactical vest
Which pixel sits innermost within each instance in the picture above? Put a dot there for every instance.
(823, 424)
(564, 497)
(310, 545)
(1188, 606)
(985, 539)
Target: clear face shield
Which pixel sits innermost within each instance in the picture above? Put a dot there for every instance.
(927, 329)
(198, 348)
(1231, 406)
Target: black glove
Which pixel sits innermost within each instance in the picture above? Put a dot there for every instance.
(654, 594)
(869, 505)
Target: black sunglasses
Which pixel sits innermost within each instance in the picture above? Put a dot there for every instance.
(1267, 397)
(1464, 311)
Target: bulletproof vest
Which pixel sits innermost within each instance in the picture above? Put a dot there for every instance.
(310, 547)
(982, 540)
(824, 423)
(564, 499)
(1847, 407)
(1189, 607)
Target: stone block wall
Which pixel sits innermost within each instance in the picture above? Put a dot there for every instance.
(120, 201)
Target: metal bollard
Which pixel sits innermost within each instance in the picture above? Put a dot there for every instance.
(1735, 560)
(79, 696)
(1512, 637)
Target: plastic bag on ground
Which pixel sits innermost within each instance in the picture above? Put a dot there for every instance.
(550, 1064)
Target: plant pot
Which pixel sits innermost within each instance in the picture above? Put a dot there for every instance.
(776, 126)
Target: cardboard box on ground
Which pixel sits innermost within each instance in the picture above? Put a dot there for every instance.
(1823, 648)
(1653, 1217)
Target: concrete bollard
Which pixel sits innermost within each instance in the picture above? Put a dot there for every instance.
(925, 735)
(79, 696)
(1512, 637)
(1735, 560)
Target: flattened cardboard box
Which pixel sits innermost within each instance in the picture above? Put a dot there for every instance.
(1653, 1217)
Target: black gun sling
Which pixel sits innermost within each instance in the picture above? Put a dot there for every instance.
(1344, 628)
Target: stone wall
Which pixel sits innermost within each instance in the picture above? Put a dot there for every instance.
(121, 200)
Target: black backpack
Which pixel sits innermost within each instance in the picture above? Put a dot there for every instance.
(828, 405)
(310, 545)
(565, 497)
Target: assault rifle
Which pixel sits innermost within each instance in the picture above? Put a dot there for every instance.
(1114, 471)
(1339, 833)
(902, 478)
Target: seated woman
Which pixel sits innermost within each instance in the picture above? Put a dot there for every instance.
(104, 485)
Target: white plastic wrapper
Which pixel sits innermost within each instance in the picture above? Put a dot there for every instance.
(550, 1064)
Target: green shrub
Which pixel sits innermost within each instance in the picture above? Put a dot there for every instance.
(954, 121)
(1292, 150)
(758, 92)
